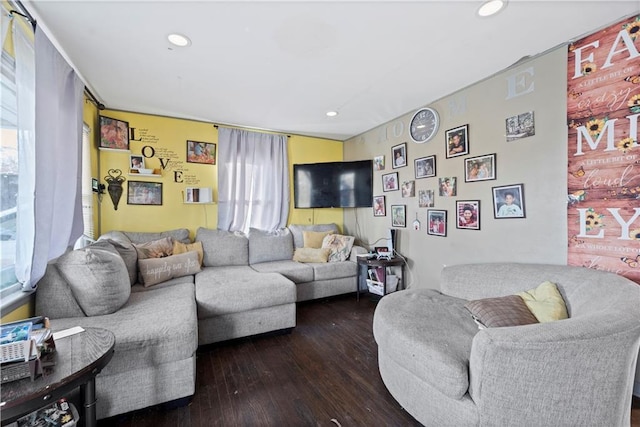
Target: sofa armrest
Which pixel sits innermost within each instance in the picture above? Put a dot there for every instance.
(547, 366)
(355, 251)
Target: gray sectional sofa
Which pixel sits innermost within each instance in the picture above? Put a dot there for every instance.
(577, 371)
(247, 285)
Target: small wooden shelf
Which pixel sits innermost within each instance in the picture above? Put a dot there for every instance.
(148, 175)
(116, 150)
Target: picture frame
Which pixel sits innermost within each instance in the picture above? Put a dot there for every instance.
(136, 162)
(480, 168)
(520, 126)
(379, 206)
(508, 201)
(425, 198)
(399, 155)
(448, 186)
(390, 182)
(114, 133)
(144, 193)
(437, 222)
(378, 163)
(201, 152)
(425, 167)
(457, 141)
(468, 212)
(408, 189)
(399, 216)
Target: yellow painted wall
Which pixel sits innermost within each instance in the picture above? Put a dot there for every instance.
(23, 312)
(168, 138)
(304, 149)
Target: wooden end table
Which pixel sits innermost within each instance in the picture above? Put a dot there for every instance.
(375, 262)
(79, 358)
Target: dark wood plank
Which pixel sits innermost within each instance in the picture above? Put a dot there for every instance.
(325, 369)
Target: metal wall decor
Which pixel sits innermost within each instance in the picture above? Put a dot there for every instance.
(115, 179)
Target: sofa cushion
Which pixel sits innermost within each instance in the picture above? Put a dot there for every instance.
(334, 270)
(158, 270)
(234, 289)
(339, 246)
(154, 327)
(179, 234)
(97, 276)
(54, 298)
(313, 239)
(294, 271)
(223, 248)
(126, 250)
(298, 229)
(430, 335)
(545, 302)
(311, 254)
(496, 312)
(180, 248)
(267, 246)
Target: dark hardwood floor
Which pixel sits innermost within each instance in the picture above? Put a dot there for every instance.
(322, 374)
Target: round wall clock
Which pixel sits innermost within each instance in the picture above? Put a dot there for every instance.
(424, 125)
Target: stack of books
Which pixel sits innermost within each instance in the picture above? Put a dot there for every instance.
(26, 348)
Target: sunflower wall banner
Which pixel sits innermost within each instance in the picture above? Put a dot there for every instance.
(603, 110)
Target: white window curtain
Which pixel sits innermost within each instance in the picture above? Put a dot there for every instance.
(57, 202)
(253, 180)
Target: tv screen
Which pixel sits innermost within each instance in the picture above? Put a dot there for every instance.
(333, 184)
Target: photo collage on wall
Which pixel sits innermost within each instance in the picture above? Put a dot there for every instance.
(507, 201)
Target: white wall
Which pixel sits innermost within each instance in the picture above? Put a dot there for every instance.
(539, 162)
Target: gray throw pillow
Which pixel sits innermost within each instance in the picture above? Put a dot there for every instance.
(158, 270)
(126, 250)
(496, 312)
(97, 276)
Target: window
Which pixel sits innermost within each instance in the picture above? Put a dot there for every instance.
(8, 172)
(87, 190)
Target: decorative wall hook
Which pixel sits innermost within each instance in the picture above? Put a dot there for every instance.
(115, 180)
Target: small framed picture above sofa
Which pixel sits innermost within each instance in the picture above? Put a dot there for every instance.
(144, 193)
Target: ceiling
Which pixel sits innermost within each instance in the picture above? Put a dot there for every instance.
(282, 65)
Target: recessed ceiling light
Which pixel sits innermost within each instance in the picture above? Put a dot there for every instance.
(491, 7)
(332, 113)
(179, 40)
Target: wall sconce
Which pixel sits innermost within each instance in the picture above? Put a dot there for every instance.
(115, 179)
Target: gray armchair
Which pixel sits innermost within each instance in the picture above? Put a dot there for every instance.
(573, 372)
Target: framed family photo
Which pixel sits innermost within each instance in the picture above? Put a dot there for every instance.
(114, 133)
(481, 168)
(409, 189)
(399, 155)
(378, 163)
(201, 152)
(379, 206)
(437, 222)
(144, 193)
(425, 167)
(425, 199)
(390, 182)
(468, 214)
(457, 140)
(398, 215)
(136, 162)
(508, 201)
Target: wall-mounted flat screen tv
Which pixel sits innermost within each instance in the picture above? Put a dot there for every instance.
(333, 184)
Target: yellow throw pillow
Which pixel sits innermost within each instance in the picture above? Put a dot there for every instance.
(313, 239)
(311, 255)
(545, 302)
(180, 248)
